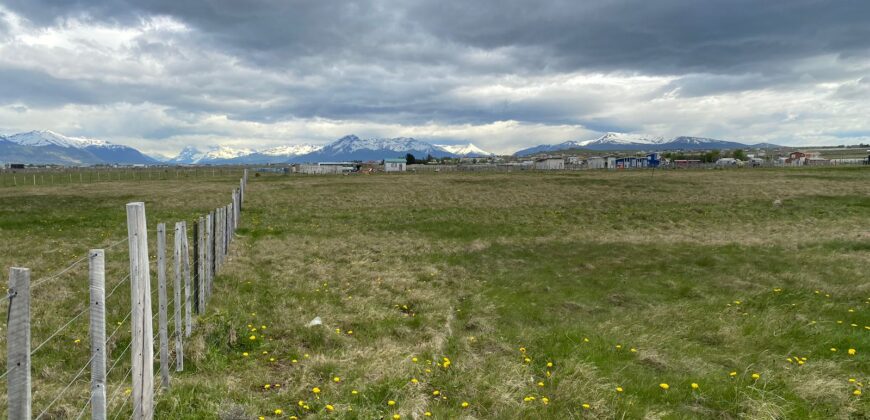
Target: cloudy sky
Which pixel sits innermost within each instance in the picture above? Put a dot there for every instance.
(503, 74)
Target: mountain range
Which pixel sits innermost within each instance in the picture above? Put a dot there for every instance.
(635, 142)
(48, 147)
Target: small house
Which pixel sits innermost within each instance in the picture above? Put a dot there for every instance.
(395, 165)
(550, 164)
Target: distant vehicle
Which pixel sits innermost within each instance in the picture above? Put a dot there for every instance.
(729, 162)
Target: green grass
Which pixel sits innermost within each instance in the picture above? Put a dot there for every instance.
(619, 279)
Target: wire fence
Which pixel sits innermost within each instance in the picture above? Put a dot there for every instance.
(212, 235)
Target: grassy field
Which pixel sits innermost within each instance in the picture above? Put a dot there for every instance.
(503, 295)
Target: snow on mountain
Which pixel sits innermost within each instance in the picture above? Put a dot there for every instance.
(468, 150)
(638, 142)
(188, 155)
(225, 152)
(351, 147)
(623, 138)
(49, 147)
(50, 138)
(291, 150)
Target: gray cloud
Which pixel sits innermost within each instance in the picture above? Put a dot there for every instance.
(623, 65)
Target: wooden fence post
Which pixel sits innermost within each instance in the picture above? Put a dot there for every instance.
(179, 245)
(162, 305)
(188, 294)
(142, 353)
(200, 284)
(18, 344)
(209, 259)
(97, 276)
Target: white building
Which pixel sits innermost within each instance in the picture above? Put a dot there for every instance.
(395, 165)
(550, 164)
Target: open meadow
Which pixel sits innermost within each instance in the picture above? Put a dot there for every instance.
(527, 295)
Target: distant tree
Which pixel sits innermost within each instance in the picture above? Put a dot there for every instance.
(429, 158)
(711, 156)
(739, 154)
(409, 159)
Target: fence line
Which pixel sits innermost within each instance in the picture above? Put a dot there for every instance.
(212, 234)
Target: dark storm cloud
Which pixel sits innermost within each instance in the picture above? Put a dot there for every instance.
(663, 36)
(452, 62)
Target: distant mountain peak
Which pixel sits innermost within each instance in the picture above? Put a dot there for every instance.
(468, 150)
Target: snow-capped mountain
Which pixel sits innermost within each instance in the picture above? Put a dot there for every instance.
(352, 147)
(291, 150)
(49, 147)
(622, 141)
(50, 138)
(468, 150)
(223, 153)
(188, 155)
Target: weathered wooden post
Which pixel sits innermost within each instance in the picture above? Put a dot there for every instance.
(18, 344)
(162, 305)
(209, 242)
(188, 294)
(200, 283)
(97, 276)
(142, 347)
(177, 264)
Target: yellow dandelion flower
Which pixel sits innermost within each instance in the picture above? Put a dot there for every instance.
(527, 360)
(586, 406)
(428, 414)
(354, 392)
(414, 380)
(585, 340)
(294, 361)
(245, 354)
(436, 392)
(278, 411)
(540, 384)
(695, 386)
(851, 380)
(852, 352)
(414, 359)
(833, 349)
(549, 364)
(267, 386)
(391, 403)
(329, 407)
(522, 349)
(856, 392)
(252, 338)
(756, 376)
(336, 379)
(664, 386)
(619, 389)
(732, 374)
(315, 390)
(396, 416)
(545, 400)
(77, 341)
(465, 404)
(619, 346)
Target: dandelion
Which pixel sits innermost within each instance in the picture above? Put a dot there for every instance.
(414, 359)
(465, 404)
(294, 361)
(336, 379)
(329, 407)
(245, 354)
(77, 341)
(619, 389)
(619, 346)
(833, 349)
(267, 386)
(414, 380)
(252, 338)
(695, 386)
(541, 384)
(349, 332)
(633, 350)
(315, 390)
(585, 340)
(545, 400)
(436, 392)
(851, 380)
(391, 403)
(428, 414)
(586, 406)
(278, 411)
(756, 376)
(522, 349)
(856, 392)
(396, 417)
(354, 392)
(732, 374)
(127, 391)
(789, 360)
(527, 360)
(852, 352)
(664, 386)
(549, 364)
